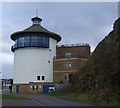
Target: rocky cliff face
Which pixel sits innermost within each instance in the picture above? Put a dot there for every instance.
(102, 71)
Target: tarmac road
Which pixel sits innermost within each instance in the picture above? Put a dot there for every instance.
(46, 101)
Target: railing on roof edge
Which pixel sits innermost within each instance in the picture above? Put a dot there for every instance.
(67, 45)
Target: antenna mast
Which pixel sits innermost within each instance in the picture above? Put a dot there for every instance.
(37, 12)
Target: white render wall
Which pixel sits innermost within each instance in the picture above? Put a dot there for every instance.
(32, 62)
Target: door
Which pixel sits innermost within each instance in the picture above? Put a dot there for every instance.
(45, 89)
(17, 89)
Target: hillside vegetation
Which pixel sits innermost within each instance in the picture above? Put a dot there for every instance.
(98, 82)
(100, 76)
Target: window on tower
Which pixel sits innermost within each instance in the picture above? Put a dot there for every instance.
(26, 41)
(43, 77)
(38, 77)
(36, 22)
(31, 41)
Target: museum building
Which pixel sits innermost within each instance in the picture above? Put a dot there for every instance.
(39, 61)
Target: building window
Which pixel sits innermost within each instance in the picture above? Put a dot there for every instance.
(67, 55)
(43, 77)
(65, 77)
(38, 77)
(68, 65)
(36, 88)
(32, 41)
(33, 88)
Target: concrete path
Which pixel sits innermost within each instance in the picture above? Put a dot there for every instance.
(13, 102)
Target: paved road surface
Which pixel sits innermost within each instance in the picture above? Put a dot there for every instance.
(17, 102)
(46, 100)
(41, 100)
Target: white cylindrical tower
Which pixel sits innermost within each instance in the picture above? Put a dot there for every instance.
(34, 50)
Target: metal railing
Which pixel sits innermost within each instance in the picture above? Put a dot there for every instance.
(69, 45)
(16, 46)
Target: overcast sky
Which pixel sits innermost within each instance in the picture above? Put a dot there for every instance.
(79, 22)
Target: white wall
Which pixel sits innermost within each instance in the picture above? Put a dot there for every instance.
(32, 62)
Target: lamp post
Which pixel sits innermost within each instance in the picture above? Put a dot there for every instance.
(3, 82)
(0, 80)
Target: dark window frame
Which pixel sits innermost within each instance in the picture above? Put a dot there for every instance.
(33, 88)
(67, 65)
(37, 88)
(65, 77)
(38, 77)
(43, 78)
(32, 41)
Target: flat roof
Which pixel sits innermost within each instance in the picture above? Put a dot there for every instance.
(73, 45)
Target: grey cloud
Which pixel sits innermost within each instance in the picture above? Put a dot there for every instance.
(7, 70)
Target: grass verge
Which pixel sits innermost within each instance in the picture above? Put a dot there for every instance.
(86, 98)
(9, 96)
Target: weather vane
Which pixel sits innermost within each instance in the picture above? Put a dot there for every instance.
(37, 12)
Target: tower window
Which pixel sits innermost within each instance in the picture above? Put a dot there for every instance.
(43, 77)
(32, 41)
(38, 77)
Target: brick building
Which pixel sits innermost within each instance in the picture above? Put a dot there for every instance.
(39, 64)
(69, 60)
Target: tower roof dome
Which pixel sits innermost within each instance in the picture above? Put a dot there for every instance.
(36, 28)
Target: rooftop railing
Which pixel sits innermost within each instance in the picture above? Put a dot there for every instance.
(69, 45)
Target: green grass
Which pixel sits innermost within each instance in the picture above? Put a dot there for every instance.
(9, 96)
(86, 98)
(72, 96)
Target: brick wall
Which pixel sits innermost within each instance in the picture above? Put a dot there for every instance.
(66, 66)
(76, 64)
(23, 88)
(83, 51)
(28, 88)
(60, 70)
